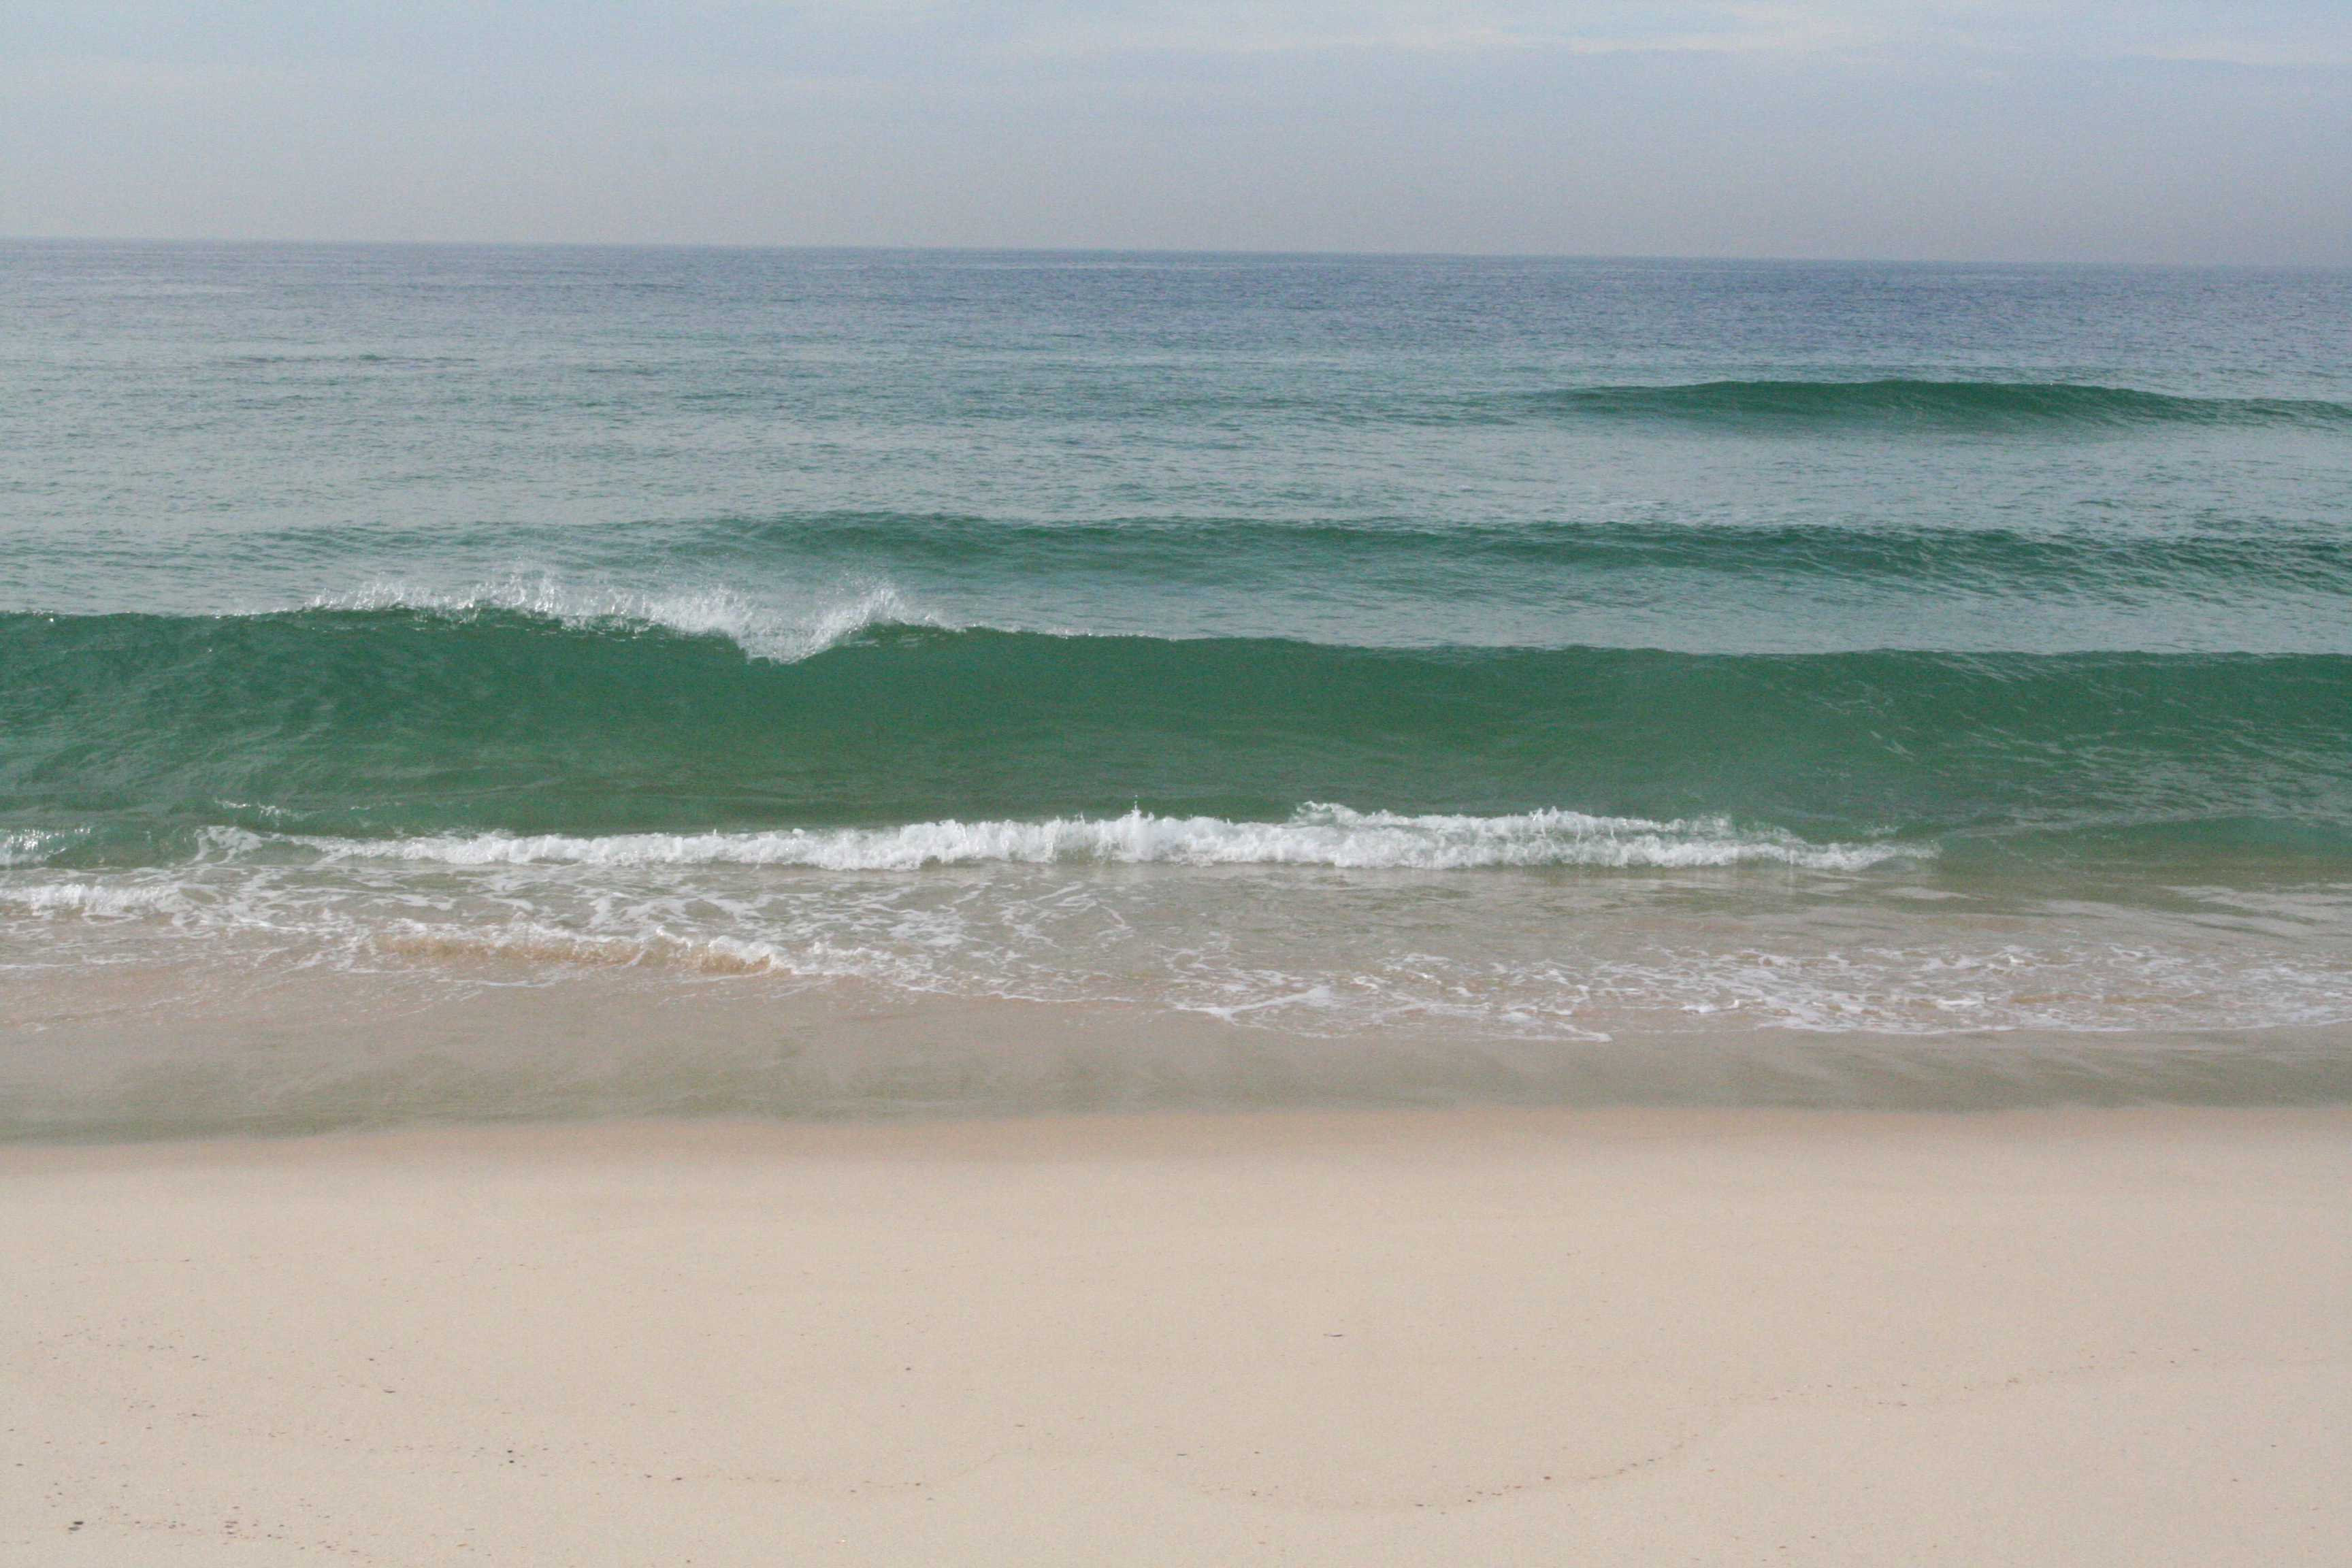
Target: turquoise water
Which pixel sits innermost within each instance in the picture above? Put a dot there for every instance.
(1428, 676)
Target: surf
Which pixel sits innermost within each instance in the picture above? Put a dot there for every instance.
(125, 729)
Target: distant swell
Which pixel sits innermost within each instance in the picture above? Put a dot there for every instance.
(820, 577)
(1972, 406)
(1229, 553)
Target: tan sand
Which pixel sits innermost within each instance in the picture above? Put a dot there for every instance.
(1481, 1340)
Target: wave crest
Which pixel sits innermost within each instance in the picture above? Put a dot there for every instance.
(1949, 404)
(34, 846)
(780, 635)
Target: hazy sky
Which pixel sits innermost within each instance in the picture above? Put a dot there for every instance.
(2185, 130)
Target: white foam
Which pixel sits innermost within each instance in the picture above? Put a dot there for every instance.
(1530, 958)
(766, 631)
(96, 899)
(31, 846)
(1328, 836)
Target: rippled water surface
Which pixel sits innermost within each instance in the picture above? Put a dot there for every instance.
(517, 681)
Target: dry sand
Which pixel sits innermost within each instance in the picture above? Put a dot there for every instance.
(1468, 1339)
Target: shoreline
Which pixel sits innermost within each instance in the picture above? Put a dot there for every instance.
(327, 1053)
(1490, 1336)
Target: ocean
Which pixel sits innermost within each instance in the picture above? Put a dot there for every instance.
(444, 682)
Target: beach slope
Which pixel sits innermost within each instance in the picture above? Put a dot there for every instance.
(1502, 1338)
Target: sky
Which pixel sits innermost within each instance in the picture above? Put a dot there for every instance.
(2164, 130)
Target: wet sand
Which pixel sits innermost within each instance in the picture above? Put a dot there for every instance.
(1501, 1338)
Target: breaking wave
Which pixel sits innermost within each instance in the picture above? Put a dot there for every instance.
(762, 630)
(117, 730)
(1314, 835)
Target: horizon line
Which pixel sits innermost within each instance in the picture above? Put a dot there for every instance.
(1074, 251)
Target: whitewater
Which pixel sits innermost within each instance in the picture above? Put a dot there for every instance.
(498, 681)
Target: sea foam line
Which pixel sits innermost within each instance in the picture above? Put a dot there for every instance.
(96, 899)
(1328, 836)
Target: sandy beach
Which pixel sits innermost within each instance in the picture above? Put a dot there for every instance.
(1503, 1338)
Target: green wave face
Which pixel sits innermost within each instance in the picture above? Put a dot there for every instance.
(1975, 406)
(372, 722)
(513, 681)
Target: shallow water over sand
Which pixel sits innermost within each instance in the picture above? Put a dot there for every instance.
(445, 681)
